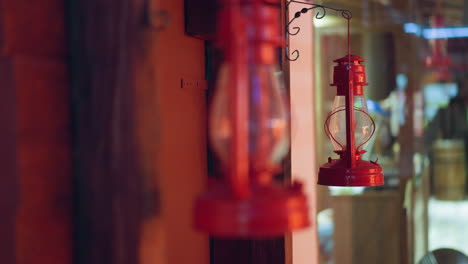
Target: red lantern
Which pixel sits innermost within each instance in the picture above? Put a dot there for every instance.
(349, 126)
(439, 60)
(249, 130)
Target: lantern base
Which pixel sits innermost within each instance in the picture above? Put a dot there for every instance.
(268, 211)
(365, 173)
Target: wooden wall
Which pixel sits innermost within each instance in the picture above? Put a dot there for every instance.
(141, 148)
(35, 193)
(181, 159)
(367, 228)
(304, 244)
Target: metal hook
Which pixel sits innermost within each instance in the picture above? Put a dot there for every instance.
(321, 12)
(292, 53)
(296, 28)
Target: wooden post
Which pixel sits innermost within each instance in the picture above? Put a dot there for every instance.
(112, 79)
(35, 197)
(8, 177)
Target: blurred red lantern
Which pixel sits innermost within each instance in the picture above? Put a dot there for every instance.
(438, 59)
(249, 130)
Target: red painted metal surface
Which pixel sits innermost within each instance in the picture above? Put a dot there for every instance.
(337, 173)
(270, 210)
(341, 79)
(248, 203)
(238, 170)
(350, 170)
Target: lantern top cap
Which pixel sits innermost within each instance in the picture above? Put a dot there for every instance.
(351, 57)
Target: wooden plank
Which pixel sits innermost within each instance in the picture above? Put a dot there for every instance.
(366, 228)
(200, 18)
(112, 62)
(35, 107)
(33, 28)
(230, 251)
(44, 161)
(235, 251)
(181, 163)
(40, 153)
(8, 163)
(268, 251)
(304, 244)
(420, 216)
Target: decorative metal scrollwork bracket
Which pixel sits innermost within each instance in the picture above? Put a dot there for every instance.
(321, 11)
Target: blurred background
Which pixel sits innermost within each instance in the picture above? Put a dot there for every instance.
(416, 67)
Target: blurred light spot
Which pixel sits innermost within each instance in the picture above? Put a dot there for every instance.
(412, 28)
(437, 33)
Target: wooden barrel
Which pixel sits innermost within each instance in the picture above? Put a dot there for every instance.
(449, 169)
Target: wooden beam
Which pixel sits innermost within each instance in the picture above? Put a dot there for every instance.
(112, 79)
(35, 183)
(200, 18)
(234, 251)
(32, 28)
(8, 163)
(44, 162)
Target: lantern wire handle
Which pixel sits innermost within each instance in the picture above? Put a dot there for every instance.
(373, 128)
(327, 129)
(331, 137)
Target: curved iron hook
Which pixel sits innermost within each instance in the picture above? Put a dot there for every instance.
(321, 12)
(296, 28)
(292, 53)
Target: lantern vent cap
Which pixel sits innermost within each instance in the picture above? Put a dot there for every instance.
(353, 58)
